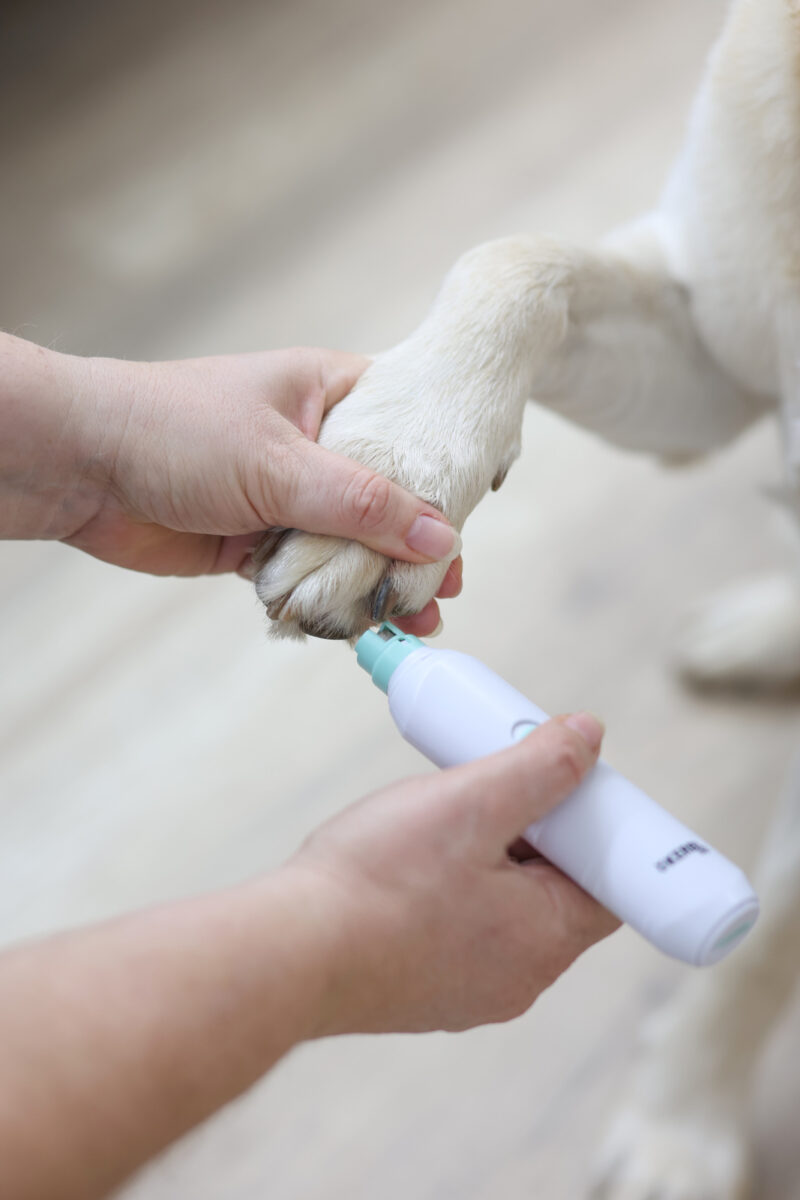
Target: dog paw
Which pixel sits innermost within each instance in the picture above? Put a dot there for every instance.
(422, 417)
(747, 636)
(333, 588)
(692, 1157)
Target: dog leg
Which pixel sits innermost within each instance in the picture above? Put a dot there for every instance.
(681, 1132)
(605, 338)
(746, 636)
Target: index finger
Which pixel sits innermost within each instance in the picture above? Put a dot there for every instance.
(340, 371)
(581, 919)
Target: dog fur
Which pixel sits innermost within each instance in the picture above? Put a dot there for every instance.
(672, 337)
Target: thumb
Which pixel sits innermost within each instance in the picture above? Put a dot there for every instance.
(329, 493)
(518, 785)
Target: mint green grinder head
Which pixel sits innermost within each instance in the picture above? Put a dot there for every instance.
(379, 651)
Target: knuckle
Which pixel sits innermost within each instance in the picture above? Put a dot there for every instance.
(367, 499)
(569, 760)
(588, 927)
(580, 920)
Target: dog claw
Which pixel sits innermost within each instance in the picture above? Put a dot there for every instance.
(265, 549)
(382, 599)
(321, 629)
(277, 610)
(499, 478)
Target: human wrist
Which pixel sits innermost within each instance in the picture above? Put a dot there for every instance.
(319, 948)
(56, 438)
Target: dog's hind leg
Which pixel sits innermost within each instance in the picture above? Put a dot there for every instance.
(681, 1132)
(606, 338)
(746, 636)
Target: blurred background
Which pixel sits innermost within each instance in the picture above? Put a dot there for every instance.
(195, 178)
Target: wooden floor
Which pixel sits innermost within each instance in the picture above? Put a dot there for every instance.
(197, 178)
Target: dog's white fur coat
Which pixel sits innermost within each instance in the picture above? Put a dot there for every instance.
(669, 338)
(672, 337)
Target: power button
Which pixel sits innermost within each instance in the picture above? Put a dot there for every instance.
(522, 729)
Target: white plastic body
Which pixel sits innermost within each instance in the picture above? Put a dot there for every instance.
(646, 867)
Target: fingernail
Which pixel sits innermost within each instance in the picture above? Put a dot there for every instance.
(435, 632)
(431, 537)
(588, 726)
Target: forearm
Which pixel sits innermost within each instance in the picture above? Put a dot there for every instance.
(119, 1038)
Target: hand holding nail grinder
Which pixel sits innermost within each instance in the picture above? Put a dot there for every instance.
(621, 847)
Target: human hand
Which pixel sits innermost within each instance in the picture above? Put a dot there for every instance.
(179, 467)
(431, 922)
(404, 913)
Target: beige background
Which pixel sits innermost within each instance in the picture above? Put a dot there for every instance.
(195, 178)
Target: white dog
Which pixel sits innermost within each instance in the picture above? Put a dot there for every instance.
(672, 337)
